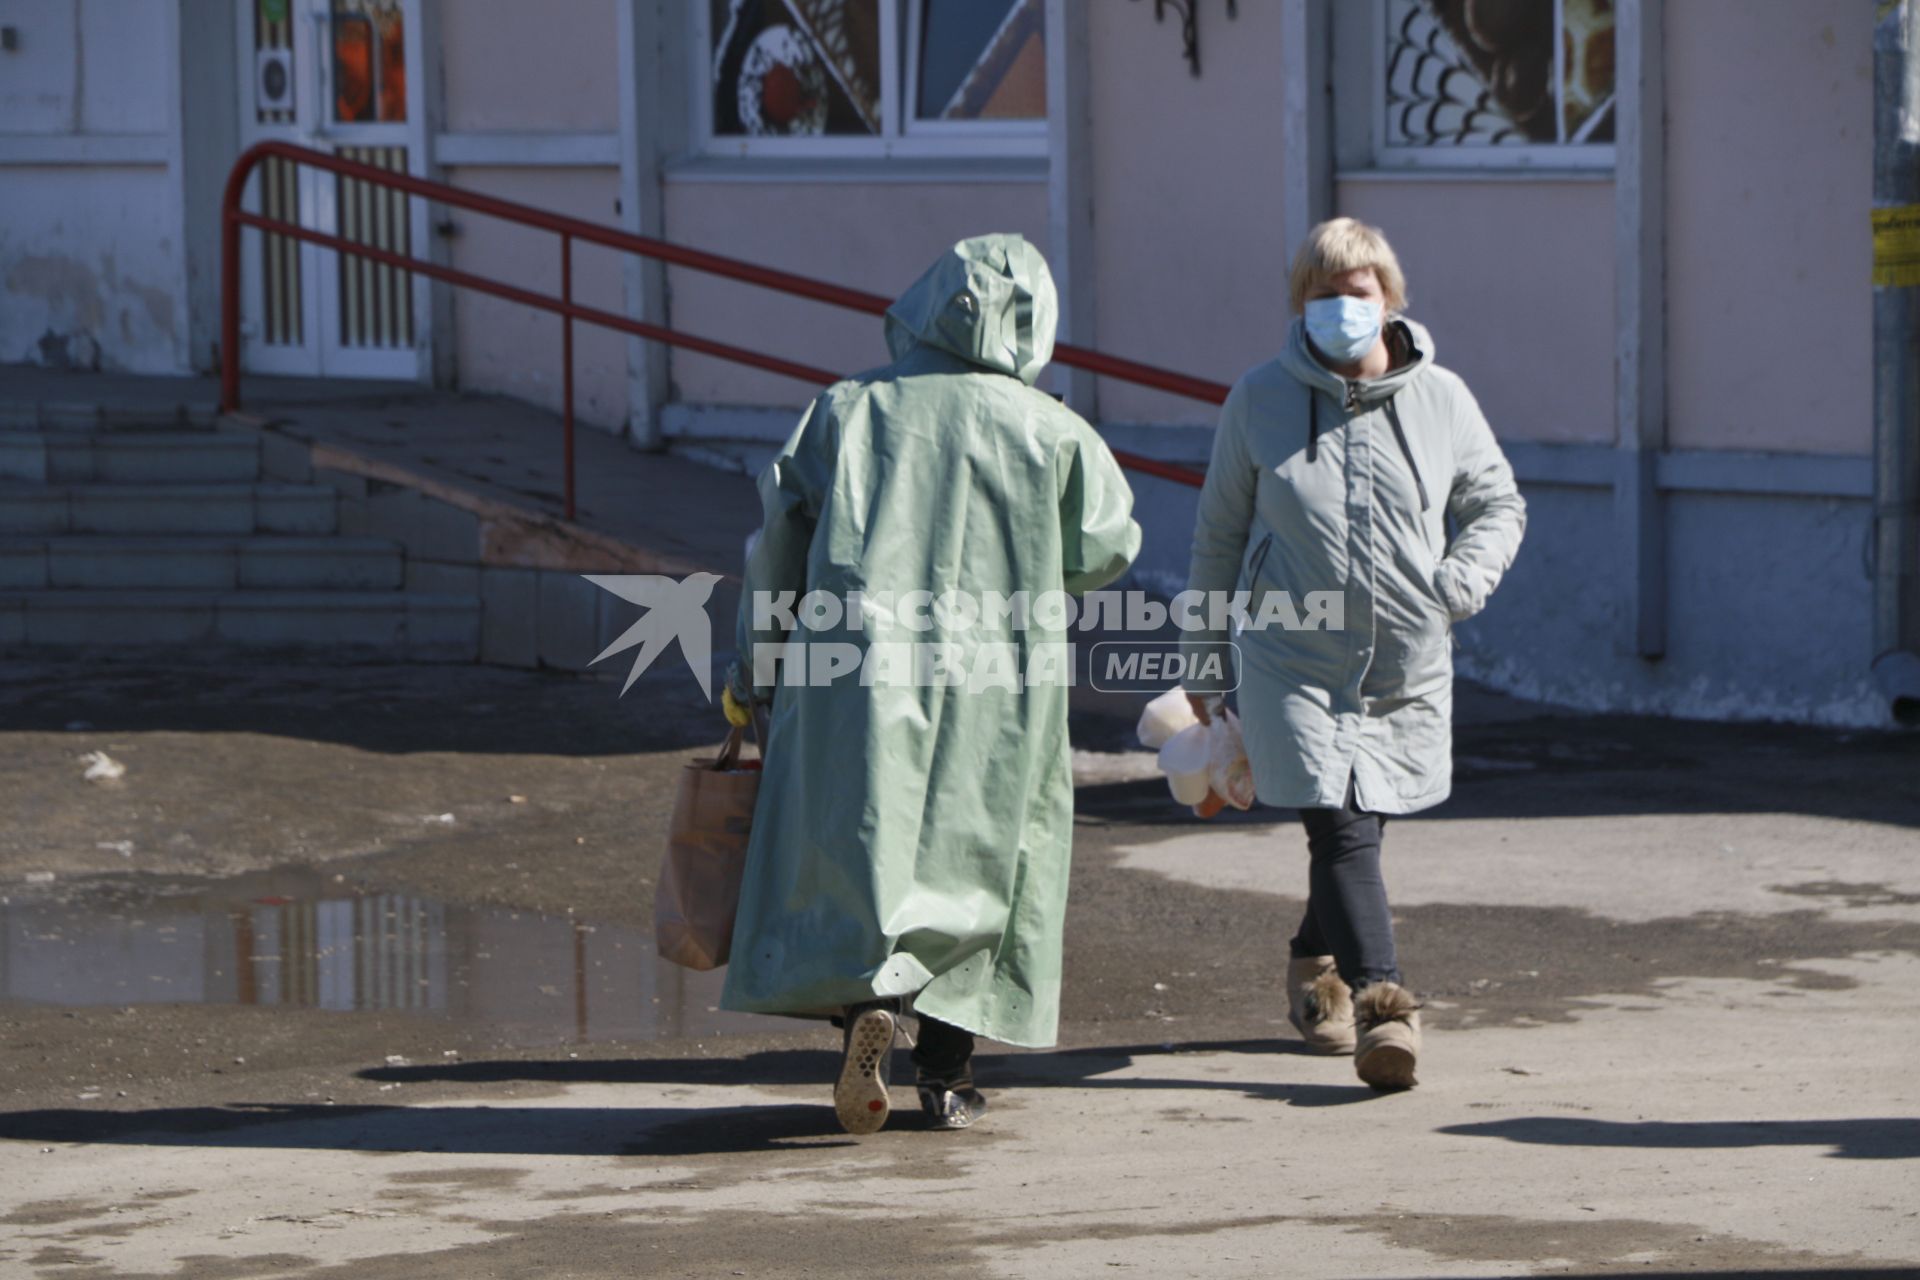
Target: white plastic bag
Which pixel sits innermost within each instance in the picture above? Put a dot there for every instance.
(1206, 764)
(1185, 759)
(1165, 716)
(1229, 772)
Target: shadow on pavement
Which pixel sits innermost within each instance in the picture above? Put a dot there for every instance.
(1061, 1068)
(1558, 765)
(614, 1130)
(1876, 1138)
(1076, 1067)
(1694, 1273)
(691, 1131)
(457, 1130)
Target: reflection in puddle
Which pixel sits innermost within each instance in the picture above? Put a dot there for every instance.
(534, 977)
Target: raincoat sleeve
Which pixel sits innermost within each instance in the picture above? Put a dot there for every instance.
(792, 489)
(1098, 535)
(1220, 529)
(1488, 514)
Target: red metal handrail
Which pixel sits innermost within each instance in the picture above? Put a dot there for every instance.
(233, 218)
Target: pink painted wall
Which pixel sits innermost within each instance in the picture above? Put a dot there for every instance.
(1515, 279)
(873, 236)
(502, 346)
(90, 257)
(86, 66)
(511, 66)
(1186, 199)
(89, 269)
(1767, 283)
(1770, 180)
(123, 84)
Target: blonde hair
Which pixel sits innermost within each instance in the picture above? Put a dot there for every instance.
(1345, 244)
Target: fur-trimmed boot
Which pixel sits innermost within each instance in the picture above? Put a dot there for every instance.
(1388, 1019)
(1319, 1005)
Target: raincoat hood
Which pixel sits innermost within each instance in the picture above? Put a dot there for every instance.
(1298, 359)
(989, 301)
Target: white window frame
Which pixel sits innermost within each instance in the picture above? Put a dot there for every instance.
(1030, 131)
(900, 135)
(1509, 157)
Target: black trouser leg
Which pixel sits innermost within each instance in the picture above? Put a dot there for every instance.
(942, 1051)
(1347, 915)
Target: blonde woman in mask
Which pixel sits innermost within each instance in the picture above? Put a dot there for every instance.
(1338, 467)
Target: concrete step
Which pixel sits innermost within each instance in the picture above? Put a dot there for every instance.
(167, 508)
(129, 457)
(17, 415)
(388, 623)
(203, 563)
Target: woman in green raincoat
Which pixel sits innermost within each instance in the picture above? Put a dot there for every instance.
(911, 841)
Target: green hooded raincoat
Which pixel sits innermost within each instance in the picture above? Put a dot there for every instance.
(1359, 506)
(913, 840)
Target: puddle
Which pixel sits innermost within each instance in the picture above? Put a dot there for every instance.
(307, 943)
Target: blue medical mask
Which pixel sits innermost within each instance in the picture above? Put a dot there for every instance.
(1344, 328)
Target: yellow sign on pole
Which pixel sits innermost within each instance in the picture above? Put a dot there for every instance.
(1896, 247)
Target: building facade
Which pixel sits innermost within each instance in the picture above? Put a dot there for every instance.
(1640, 231)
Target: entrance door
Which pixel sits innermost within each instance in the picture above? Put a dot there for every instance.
(338, 76)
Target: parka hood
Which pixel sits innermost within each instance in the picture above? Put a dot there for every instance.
(989, 300)
(1298, 359)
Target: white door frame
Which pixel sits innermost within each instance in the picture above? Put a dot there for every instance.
(322, 348)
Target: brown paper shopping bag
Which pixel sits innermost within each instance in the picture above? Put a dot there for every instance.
(699, 887)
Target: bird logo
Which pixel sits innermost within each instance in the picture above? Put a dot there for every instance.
(675, 610)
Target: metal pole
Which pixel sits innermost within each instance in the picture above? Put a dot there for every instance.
(1896, 356)
(566, 357)
(230, 302)
(1640, 340)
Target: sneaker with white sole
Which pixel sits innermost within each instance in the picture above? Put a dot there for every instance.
(860, 1095)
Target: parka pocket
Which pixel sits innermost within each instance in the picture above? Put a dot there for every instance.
(1432, 580)
(1256, 560)
(1413, 630)
(1423, 563)
(1256, 564)
(1250, 568)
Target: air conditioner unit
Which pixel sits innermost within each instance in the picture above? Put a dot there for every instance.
(273, 80)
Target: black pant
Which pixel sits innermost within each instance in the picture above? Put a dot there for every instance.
(942, 1050)
(1347, 914)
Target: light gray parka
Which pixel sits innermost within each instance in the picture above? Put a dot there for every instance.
(1354, 510)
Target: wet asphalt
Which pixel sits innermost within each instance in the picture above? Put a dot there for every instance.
(319, 888)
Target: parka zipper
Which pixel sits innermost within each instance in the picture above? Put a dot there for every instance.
(1353, 405)
(1313, 417)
